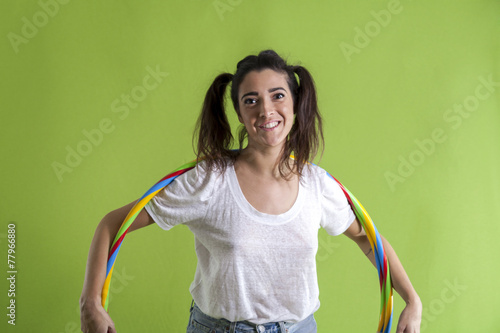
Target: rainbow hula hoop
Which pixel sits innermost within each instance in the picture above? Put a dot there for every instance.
(386, 303)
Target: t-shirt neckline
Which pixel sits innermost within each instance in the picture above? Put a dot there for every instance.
(253, 213)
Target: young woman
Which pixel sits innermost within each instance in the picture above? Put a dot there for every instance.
(255, 212)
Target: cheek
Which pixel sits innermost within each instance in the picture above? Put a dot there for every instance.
(290, 113)
(246, 121)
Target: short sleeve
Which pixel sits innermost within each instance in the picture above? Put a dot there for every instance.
(185, 200)
(337, 214)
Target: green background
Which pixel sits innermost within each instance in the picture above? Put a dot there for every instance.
(385, 85)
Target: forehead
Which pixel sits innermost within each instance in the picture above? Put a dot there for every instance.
(263, 80)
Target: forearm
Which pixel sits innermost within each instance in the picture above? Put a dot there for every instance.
(399, 278)
(95, 273)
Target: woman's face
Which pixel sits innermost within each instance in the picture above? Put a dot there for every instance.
(266, 108)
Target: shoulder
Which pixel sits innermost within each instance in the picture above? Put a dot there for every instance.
(200, 178)
(313, 173)
(320, 179)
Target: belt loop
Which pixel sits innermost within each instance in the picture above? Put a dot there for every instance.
(282, 327)
(232, 327)
(192, 305)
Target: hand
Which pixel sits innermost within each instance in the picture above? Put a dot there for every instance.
(94, 319)
(410, 318)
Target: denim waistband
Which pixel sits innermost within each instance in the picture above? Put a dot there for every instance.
(231, 327)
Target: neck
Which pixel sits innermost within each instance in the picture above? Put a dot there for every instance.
(261, 162)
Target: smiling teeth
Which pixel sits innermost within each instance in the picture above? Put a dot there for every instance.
(270, 125)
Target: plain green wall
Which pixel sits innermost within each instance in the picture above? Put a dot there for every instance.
(411, 129)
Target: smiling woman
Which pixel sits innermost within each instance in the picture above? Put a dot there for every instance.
(266, 114)
(255, 212)
(263, 86)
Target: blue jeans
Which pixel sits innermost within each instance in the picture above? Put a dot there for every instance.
(201, 323)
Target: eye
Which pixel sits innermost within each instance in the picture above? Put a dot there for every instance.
(249, 101)
(279, 96)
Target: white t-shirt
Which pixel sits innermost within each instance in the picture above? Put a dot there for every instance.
(251, 265)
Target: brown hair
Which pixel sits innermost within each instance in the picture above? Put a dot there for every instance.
(214, 133)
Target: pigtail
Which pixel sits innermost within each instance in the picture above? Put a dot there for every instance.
(306, 136)
(214, 132)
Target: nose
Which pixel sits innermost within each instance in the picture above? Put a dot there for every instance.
(266, 108)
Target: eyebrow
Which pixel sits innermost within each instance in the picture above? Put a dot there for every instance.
(254, 93)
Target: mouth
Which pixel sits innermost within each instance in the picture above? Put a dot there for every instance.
(270, 125)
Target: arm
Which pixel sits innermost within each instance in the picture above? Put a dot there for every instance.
(410, 318)
(94, 318)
